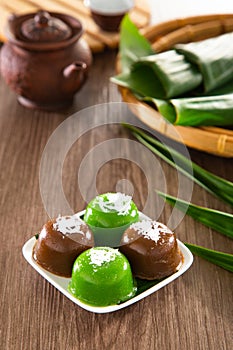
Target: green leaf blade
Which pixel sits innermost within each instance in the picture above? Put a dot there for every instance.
(204, 110)
(165, 108)
(176, 75)
(214, 58)
(221, 259)
(216, 185)
(132, 44)
(217, 220)
(140, 81)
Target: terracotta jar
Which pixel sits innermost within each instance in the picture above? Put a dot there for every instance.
(44, 61)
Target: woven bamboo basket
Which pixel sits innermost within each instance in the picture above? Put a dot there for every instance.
(214, 140)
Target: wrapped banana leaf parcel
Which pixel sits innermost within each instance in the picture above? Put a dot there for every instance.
(191, 84)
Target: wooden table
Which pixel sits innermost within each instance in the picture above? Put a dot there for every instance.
(194, 312)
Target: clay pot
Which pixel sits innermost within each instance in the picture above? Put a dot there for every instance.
(44, 61)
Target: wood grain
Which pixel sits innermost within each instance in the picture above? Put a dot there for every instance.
(193, 313)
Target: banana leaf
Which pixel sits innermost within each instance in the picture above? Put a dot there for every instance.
(172, 73)
(186, 111)
(159, 76)
(132, 44)
(222, 90)
(216, 185)
(217, 220)
(199, 109)
(141, 81)
(165, 108)
(143, 285)
(142, 84)
(196, 111)
(213, 57)
(207, 110)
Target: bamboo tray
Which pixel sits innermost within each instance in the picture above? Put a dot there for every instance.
(97, 39)
(214, 140)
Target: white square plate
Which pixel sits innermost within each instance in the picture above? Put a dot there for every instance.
(61, 283)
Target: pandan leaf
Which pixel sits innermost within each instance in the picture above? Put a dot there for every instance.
(221, 259)
(217, 220)
(216, 185)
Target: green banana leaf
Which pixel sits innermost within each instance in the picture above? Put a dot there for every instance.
(173, 74)
(132, 44)
(139, 75)
(207, 110)
(216, 185)
(165, 108)
(221, 90)
(196, 111)
(141, 81)
(213, 57)
(143, 285)
(217, 220)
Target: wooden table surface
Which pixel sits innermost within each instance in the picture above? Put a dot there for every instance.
(193, 312)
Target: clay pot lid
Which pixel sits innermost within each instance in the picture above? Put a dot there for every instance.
(43, 31)
(45, 28)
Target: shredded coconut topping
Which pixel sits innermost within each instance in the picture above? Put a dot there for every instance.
(117, 202)
(100, 256)
(68, 225)
(150, 229)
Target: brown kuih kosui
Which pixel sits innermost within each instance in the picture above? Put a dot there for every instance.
(152, 250)
(60, 242)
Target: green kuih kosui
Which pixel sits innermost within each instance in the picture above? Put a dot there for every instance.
(102, 276)
(109, 215)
